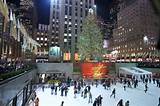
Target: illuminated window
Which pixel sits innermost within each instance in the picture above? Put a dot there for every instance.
(45, 39)
(70, 23)
(41, 38)
(37, 38)
(65, 34)
(65, 40)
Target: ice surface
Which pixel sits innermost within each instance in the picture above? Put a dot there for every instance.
(136, 96)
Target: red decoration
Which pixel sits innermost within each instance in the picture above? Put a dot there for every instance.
(94, 70)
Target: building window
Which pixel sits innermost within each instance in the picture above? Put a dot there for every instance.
(65, 25)
(65, 34)
(70, 2)
(70, 11)
(70, 34)
(70, 23)
(76, 14)
(66, 10)
(65, 40)
(66, 16)
(75, 31)
(37, 38)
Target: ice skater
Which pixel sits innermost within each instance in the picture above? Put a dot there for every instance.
(62, 103)
(75, 91)
(124, 86)
(90, 98)
(66, 91)
(36, 101)
(52, 88)
(43, 88)
(56, 90)
(127, 103)
(82, 94)
(159, 102)
(100, 100)
(95, 102)
(146, 88)
(120, 103)
(113, 93)
(85, 92)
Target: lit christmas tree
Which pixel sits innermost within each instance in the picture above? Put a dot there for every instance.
(90, 41)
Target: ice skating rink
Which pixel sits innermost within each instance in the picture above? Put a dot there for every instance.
(136, 96)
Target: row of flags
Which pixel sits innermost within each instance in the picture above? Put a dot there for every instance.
(151, 54)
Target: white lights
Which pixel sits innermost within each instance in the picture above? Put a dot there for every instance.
(37, 38)
(145, 38)
(95, 6)
(65, 40)
(70, 35)
(70, 23)
(66, 16)
(41, 38)
(65, 34)
(45, 39)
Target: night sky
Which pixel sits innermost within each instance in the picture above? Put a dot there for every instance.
(43, 10)
(43, 7)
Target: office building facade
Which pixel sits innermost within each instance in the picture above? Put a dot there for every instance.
(66, 19)
(137, 31)
(42, 39)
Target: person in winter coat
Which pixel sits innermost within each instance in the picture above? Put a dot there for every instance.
(127, 103)
(95, 102)
(36, 101)
(120, 103)
(62, 103)
(100, 100)
(90, 98)
(159, 102)
(113, 93)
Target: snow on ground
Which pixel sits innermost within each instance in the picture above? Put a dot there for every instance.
(136, 96)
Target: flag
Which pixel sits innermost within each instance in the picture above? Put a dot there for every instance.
(11, 15)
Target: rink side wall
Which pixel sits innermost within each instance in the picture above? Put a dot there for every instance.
(55, 67)
(127, 65)
(10, 89)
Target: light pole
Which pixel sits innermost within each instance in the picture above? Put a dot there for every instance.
(95, 9)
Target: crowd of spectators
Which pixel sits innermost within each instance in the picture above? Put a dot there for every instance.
(10, 66)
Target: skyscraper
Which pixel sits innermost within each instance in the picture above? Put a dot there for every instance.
(66, 18)
(137, 31)
(42, 39)
(28, 15)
